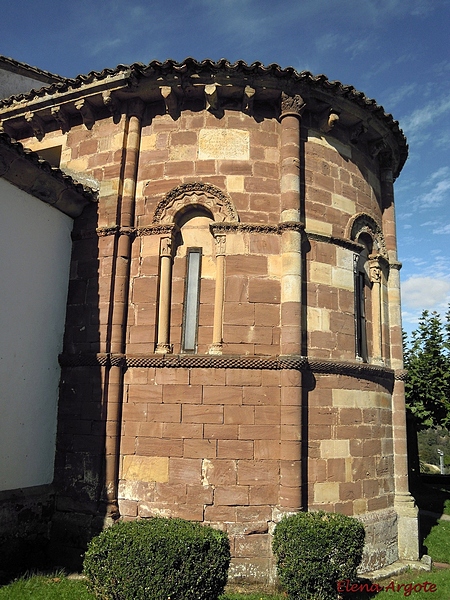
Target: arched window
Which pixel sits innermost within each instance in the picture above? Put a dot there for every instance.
(194, 246)
(192, 268)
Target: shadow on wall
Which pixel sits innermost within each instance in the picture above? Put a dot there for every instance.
(80, 495)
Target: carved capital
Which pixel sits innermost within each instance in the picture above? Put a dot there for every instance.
(375, 270)
(396, 265)
(166, 246)
(292, 105)
(36, 123)
(376, 147)
(136, 108)
(220, 244)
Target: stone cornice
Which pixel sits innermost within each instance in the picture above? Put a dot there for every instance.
(166, 87)
(273, 363)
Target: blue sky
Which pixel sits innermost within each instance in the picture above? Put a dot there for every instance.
(396, 51)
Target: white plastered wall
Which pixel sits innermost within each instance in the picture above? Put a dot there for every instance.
(13, 83)
(35, 247)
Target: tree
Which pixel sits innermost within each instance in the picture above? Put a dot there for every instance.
(427, 359)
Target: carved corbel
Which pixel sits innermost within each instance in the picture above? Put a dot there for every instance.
(87, 113)
(6, 128)
(61, 117)
(37, 125)
(357, 131)
(248, 99)
(170, 101)
(328, 119)
(212, 99)
(292, 105)
(112, 104)
(377, 146)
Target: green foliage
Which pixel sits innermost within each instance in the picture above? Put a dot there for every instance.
(314, 551)
(157, 559)
(429, 441)
(427, 359)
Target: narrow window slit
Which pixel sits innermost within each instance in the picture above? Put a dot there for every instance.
(191, 299)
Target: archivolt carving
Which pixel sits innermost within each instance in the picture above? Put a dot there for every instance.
(364, 223)
(197, 193)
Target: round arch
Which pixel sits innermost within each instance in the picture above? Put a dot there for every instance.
(205, 195)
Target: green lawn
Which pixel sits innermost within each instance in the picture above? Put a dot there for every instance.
(437, 542)
(60, 588)
(40, 587)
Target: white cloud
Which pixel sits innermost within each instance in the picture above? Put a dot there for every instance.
(400, 93)
(444, 229)
(431, 293)
(438, 184)
(423, 117)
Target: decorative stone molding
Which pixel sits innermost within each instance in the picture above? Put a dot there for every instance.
(278, 229)
(274, 363)
(342, 242)
(112, 230)
(401, 375)
(191, 194)
(165, 229)
(364, 223)
(217, 228)
(105, 231)
(292, 105)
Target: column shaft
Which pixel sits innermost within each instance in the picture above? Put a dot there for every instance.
(113, 388)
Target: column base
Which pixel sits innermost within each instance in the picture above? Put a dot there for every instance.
(408, 527)
(215, 348)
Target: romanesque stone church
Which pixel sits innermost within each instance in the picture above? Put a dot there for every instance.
(224, 305)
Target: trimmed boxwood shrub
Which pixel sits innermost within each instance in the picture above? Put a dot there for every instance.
(314, 551)
(158, 559)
